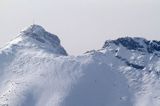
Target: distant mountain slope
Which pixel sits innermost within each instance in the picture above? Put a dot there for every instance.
(37, 71)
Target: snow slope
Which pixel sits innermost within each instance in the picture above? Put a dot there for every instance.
(35, 70)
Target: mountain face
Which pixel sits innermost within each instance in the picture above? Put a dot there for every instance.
(36, 38)
(37, 71)
(136, 43)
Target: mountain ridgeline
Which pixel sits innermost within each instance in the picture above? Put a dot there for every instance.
(37, 71)
(136, 43)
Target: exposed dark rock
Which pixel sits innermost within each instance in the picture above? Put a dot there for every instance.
(136, 43)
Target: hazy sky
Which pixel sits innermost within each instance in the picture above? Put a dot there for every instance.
(82, 24)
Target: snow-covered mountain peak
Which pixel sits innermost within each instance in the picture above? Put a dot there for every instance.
(36, 29)
(35, 72)
(135, 43)
(36, 37)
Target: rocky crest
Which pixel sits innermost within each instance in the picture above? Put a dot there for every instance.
(136, 43)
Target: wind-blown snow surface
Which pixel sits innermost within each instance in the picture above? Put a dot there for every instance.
(36, 71)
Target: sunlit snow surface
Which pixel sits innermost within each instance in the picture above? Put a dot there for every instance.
(36, 71)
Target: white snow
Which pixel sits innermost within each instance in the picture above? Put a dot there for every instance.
(39, 73)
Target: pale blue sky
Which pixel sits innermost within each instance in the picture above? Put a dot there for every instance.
(82, 24)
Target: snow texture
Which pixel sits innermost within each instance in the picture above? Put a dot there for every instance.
(35, 70)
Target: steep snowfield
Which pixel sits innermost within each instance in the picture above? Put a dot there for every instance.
(35, 70)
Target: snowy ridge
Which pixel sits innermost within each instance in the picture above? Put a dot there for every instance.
(35, 71)
(35, 37)
(136, 43)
